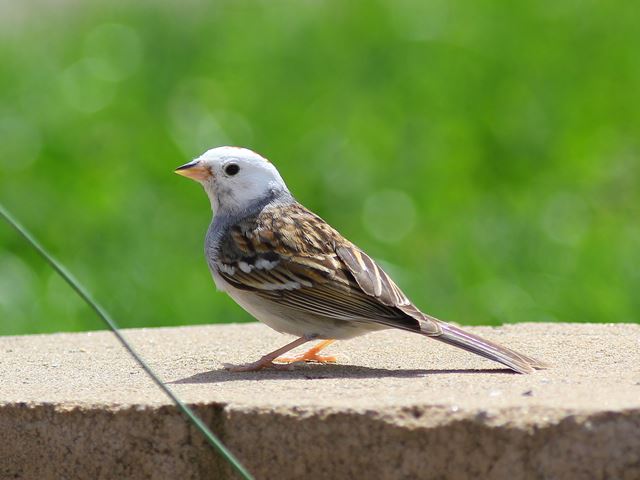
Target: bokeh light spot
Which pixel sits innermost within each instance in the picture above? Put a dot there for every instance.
(195, 129)
(565, 218)
(83, 90)
(113, 51)
(17, 283)
(389, 215)
(20, 143)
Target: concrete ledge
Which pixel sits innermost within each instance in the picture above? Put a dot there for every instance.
(398, 406)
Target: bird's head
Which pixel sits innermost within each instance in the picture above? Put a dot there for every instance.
(234, 178)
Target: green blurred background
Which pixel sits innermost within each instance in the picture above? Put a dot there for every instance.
(486, 153)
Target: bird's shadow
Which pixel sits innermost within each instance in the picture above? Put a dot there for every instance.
(321, 372)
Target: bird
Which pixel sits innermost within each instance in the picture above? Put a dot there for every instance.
(294, 272)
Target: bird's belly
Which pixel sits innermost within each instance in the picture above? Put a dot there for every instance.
(292, 321)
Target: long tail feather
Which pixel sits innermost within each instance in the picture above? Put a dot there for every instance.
(472, 343)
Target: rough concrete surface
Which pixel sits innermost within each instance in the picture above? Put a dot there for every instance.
(397, 406)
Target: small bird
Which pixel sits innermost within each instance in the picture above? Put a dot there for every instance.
(291, 270)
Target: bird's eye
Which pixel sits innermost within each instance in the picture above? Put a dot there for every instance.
(231, 169)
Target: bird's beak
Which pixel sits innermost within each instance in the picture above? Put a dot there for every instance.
(194, 170)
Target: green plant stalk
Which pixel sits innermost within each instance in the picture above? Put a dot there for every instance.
(213, 440)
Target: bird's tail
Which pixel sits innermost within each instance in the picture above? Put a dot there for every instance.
(472, 343)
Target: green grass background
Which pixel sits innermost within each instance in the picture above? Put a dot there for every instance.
(485, 152)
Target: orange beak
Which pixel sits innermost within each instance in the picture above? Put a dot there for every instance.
(194, 170)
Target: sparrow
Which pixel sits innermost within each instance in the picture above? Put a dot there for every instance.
(291, 270)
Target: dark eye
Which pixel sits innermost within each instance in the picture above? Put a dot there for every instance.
(231, 169)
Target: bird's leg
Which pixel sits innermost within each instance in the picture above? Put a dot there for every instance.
(267, 360)
(311, 355)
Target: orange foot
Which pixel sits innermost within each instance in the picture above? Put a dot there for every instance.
(311, 355)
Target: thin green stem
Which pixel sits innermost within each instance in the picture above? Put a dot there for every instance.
(213, 440)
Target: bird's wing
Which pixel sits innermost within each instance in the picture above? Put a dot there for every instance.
(289, 255)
